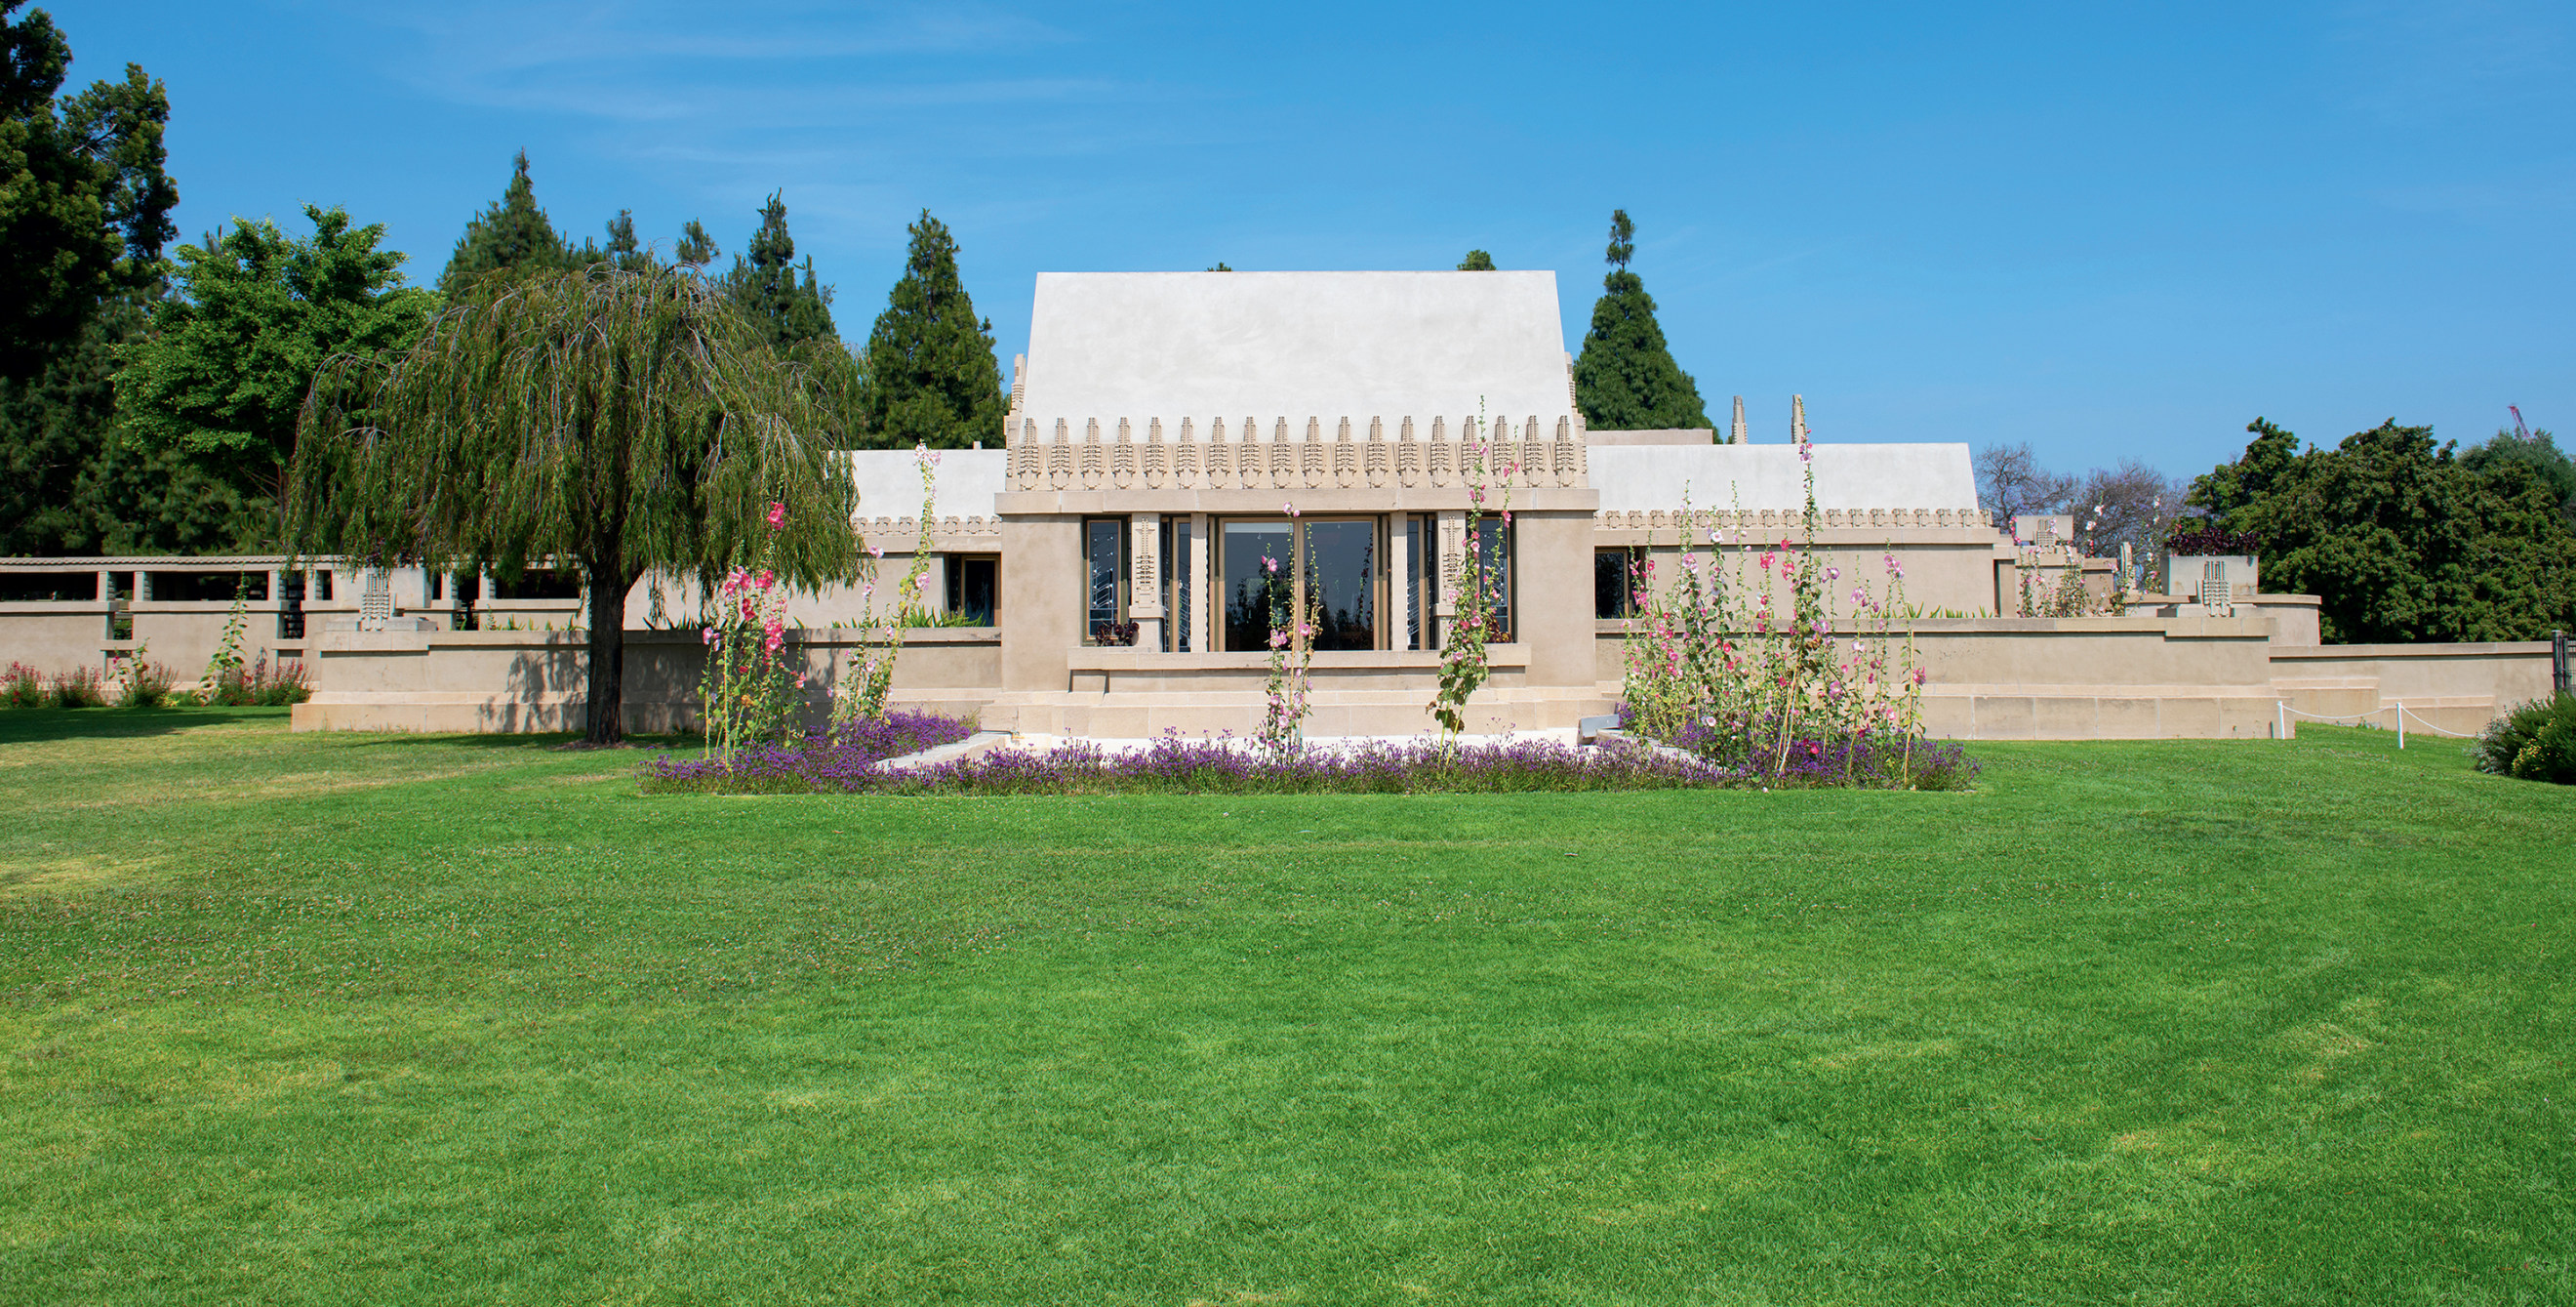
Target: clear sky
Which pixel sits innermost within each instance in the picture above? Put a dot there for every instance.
(2109, 231)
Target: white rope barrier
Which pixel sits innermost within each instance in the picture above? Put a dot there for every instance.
(2399, 706)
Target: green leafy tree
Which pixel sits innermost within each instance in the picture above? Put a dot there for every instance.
(1626, 379)
(222, 378)
(84, 199)
(764, 285)
(931, 375)
(2400, 540)
(626, 421)
(1476, 261)
(84, 211)
(2537, 449)
(511, 240)
(69, 485)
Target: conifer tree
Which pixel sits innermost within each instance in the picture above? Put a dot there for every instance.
(764, 285)
(512, 238)
(696, 248)
(1476, 261)
(931, 375)
(1625, 379)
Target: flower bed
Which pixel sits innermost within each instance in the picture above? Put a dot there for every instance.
(1868, 762)
(1173, 765)
(820, 763)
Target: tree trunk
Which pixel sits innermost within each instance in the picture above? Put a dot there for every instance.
(606, 716)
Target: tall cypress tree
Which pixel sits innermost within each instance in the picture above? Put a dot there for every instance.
(764, 285)
(512, 238)
(931, 375)
(1625, 379)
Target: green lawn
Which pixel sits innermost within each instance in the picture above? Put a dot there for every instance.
(371, 1020)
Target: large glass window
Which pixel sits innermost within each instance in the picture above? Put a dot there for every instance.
(1255, 579)
(1341, 566)
(1104, 559)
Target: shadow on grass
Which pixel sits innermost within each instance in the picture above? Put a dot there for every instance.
(36, 725)
(533, 742)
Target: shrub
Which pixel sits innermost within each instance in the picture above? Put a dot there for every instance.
(288, 683)
(77, 688)
(23, 687)
(143, 684)
(261, 685)
(2534, 741)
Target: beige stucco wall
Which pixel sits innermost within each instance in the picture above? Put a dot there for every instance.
(535, 681)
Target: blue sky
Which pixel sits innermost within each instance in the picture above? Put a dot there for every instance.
(2108, 231)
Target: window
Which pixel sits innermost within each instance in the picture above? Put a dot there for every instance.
(540, 583)
(207, 587)
(1176, 584)
(1104, 566)
(1255, 580)
(1615, 579)
(1494, 547)
(974, 586)
(290, 609)
(48, 587)
(1338, 562)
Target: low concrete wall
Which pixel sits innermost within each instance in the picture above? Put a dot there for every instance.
(2452, 688)
(503, 681)
(2009, 678)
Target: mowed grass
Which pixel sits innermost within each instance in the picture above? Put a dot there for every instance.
(365, 1019)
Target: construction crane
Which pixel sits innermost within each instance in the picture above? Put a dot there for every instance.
(2520, 432)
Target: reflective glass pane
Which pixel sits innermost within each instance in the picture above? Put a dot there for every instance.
(1255, 582)
(1341, 583)
(1101, 609)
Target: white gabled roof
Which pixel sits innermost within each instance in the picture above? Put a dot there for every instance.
(1268, 345)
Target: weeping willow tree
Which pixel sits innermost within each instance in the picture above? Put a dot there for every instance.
(630, 421)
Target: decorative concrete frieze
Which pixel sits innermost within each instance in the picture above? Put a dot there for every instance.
(1293, 454)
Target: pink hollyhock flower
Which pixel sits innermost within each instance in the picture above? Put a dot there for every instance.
(876, 551)
(767, 578)
(777, 515)
(709, 635)
(1289, 509)
(772, 643)
(1833, 573)
(1278, 639)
